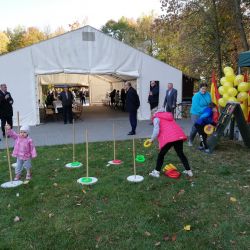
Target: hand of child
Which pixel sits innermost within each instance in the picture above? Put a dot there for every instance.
(7, 127)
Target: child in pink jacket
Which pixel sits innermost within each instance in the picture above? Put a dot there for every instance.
(169, 134)
(24, 150)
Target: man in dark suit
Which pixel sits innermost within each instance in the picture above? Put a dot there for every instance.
(67, 100)
(153, 97)
(170, 99)
(132, 104)
(6, 110)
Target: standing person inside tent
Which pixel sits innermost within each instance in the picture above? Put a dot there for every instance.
(67, 100)
(169, 135)
(200, 101)
(153, 97)
(82, 97)
(132, 104)
(123, 98)
(6, 110)
(170, 99)
(112, 97)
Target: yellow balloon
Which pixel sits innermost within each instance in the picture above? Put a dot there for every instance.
(227, 85)
(243, 87)
(232, 99)
(228, 69)
(226, 96)
(232, 92)
(230, 77)
(223, 80)
(222, 102)
(221, 90)
(238, 79)
(242, 96)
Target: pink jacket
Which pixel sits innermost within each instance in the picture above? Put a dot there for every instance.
(169, 131)
(23, 148)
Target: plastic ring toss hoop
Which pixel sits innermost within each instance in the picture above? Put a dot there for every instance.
(169, 167)
(74, 164)
(140, 158)
(87, 180)
(209, 129)
(115, 162)
(172, 174)
(147, 143)
(11, 184)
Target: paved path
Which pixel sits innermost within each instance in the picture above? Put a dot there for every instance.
(98, 121)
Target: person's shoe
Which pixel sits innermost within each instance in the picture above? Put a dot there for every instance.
(155, 173)
(28, 176)
(190, 144)
(131, 133)
(17, 177)
(188, 172)
(207, 151)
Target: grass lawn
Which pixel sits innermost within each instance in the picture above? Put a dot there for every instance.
(115, 214)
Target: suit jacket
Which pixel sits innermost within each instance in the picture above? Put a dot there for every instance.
(132, 100)
(66, 101)
(154, 98)
(6, 104)
(170, 100)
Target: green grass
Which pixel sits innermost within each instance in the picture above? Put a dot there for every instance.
(116, 214)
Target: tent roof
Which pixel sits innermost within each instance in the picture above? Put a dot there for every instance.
(244, 59)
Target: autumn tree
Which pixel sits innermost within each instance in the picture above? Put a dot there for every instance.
(4, 41)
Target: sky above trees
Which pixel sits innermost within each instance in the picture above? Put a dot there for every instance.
(55, 13)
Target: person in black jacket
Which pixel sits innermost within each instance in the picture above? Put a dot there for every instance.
(132, 104)
(123, 98)
(6, 110)
(153, 97)
(67, 100)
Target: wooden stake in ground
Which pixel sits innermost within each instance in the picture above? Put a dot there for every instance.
(134, 177)
(8, 153)
(87, 154)
(114, 138)
(134, 155)
(73, 140)
(18, 122)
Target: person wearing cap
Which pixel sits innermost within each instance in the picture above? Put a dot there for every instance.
(24, 150)
(169, 135)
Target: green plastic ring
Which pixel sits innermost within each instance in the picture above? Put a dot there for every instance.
(140, 158)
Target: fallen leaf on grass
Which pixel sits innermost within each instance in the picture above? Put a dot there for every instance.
(51, 215)
(182, 191)
(8, 205)
(232, 242)
(25, 182)
(147, 233)
(243, 233)
(78, 204)
(232, 199)
(17, 219)
(187, 228)
(17, 194)
(157, 243)
(166, 237)
(84, 191)
(174, 236)
(55, 184)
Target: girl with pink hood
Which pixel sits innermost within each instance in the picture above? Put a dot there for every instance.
(169, 134)
(24, 150)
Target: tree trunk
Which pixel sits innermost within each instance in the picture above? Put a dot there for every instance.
(240, 26)
(217, 38)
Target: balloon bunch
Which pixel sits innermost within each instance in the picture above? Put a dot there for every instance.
(233, 88)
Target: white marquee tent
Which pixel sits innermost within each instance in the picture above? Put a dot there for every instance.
(85, 51)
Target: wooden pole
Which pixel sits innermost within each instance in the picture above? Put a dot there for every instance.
(114, 137)
(87, 154)
(134, 155)
(8, 153)
(73, 140)
(18, 122)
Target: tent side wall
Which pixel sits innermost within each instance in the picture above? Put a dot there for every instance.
(153, 69)
(17, 72)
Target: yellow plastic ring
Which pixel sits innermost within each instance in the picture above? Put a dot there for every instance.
(147, 143)
(169, 167)
(209, 129)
